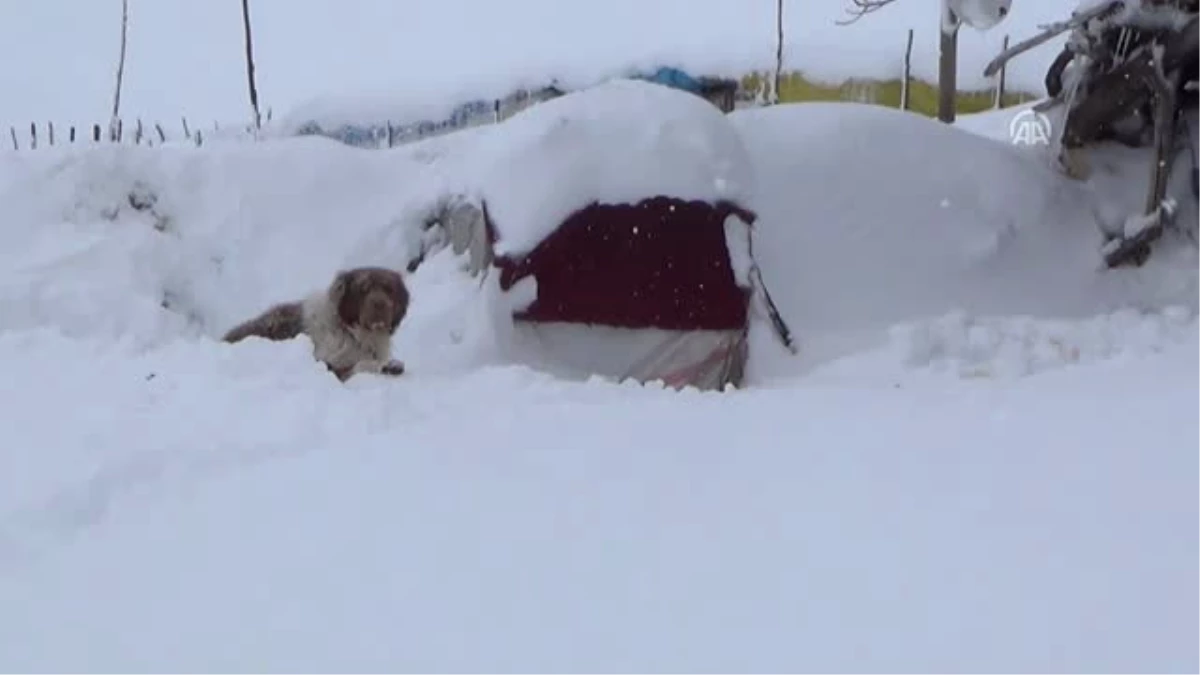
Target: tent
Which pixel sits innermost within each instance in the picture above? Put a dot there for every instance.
(616, 218)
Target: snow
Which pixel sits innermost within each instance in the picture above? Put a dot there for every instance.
(619, 142)
(1136, 224)
(244, 226)
(1012, 347)
(186, 58)
(1007, 235)
(982, 458)
(262, 518)
(739, 243)
(980, 14)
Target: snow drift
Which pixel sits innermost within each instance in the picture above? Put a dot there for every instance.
(260, 518)
(150, 245)
(962, 496)
(193, 240)
(872, 217)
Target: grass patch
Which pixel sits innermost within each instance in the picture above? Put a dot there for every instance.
(922, 96)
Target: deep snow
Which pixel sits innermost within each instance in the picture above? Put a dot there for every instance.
(983, 458)
(257, 517)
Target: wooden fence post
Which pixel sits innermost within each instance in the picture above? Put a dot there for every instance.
(33, 135)
(13, 131)
(999, 103)
(116, 110)
(778, 75)
(162, 136)
(95, 133)
(50, 133)
(72, 133)
(250, 65)
(948, 66)
(906, 80)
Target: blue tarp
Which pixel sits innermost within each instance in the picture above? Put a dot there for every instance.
(674, 77)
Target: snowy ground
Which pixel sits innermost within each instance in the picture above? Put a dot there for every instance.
(186, 57)
(984, 458)
(233, 514)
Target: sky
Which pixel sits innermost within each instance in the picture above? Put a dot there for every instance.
(186, 57)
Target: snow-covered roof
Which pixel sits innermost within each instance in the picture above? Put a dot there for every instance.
(618, 142)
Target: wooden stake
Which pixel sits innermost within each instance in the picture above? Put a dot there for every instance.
(250, 64)
(116, 110)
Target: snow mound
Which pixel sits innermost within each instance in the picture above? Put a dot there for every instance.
(871, 217)
(867, 220)
(617, 142)
(867, 215)
(151, 244)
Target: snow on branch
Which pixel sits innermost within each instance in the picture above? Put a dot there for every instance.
(979, 14)
(860, 8)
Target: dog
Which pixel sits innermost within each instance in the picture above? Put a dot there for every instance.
(350, 323)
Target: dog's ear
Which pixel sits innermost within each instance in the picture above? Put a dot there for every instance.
(344, 298)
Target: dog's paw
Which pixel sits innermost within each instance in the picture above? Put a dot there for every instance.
(392, 368)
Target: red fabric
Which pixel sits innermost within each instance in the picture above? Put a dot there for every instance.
(660, 263)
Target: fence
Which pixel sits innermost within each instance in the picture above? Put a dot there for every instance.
(369, 134)
(902, 91)
(115, 132)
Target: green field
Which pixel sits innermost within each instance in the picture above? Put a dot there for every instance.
(795, 87)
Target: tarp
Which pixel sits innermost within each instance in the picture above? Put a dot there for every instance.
(673, 77)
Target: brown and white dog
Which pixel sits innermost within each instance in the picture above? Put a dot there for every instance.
(351, 323)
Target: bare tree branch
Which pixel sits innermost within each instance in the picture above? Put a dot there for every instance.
(861, 8)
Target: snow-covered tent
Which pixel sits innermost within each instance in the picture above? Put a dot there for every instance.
(615, 221)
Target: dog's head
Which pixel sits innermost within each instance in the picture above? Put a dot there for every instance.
(370, 298)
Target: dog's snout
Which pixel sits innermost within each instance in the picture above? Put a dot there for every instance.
(1003, 11)
(377, 310)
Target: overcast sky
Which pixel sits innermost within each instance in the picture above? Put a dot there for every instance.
(185, 57)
